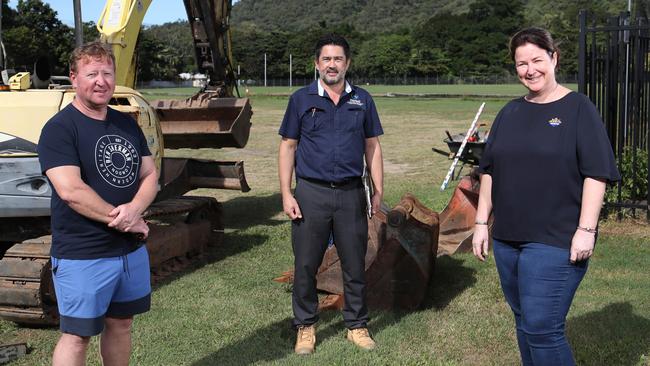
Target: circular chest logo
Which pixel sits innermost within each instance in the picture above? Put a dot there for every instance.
(117, 160)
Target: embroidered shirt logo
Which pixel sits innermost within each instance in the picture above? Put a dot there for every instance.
(555, 122)
(355, 100)
(117, 160)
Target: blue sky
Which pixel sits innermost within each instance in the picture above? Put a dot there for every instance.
(91, 9)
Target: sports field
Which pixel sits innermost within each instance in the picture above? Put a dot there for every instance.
(228, 311)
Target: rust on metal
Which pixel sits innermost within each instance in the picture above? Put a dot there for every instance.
(204, 121)
(457, 218)
(26, 284)
(399, 277)
(183, 239)
(180, 175)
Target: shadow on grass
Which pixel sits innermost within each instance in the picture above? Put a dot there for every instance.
(450, 279)
(243, 212)
(273, 342)
(614, 335)
(233, 244)
(239, 213)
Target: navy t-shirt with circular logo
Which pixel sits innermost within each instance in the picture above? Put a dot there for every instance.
(109, 154)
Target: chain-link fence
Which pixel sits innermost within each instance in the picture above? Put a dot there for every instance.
(357, 80)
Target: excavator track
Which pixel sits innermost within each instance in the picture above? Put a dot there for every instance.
(181, 230)
(26, 289)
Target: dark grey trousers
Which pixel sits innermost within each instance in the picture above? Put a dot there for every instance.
(325, 210)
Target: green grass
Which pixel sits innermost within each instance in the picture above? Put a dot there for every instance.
(227, 310)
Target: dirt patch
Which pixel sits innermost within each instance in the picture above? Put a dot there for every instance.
(395, 168)
(638, 228)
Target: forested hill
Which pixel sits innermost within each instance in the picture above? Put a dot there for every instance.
(408, 37)
(393, 15)
(369, 15)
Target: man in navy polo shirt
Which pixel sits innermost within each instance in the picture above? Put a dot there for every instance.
(328, 128)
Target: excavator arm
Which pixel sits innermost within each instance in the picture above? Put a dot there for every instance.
(119, 26)
(212, 118)
(209, 20)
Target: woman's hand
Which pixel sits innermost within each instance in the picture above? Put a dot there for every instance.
(480, 242)
(582, 245)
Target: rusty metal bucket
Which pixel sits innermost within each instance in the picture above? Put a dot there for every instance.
(457, 218)
(181, 175)
(399, 260)
(399, 276)
(204, 121)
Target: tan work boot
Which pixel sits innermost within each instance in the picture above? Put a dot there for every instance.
(306, 339)
(361, 337)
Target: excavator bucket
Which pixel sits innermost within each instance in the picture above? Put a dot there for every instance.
(204, 121)
(457, 218)
(399, 260)
(182, 175)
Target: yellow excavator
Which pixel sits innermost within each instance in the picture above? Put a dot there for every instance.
(183, 226)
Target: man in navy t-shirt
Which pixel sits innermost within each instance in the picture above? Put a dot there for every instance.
(103, 178)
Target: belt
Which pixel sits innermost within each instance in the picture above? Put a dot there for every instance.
(339, 184)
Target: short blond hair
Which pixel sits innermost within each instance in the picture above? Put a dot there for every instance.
(91, 50)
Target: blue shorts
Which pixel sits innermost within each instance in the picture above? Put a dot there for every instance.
(87, 290)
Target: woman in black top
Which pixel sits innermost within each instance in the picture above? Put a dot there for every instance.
(544, 171)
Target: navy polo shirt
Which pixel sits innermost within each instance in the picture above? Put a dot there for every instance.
(331, 138)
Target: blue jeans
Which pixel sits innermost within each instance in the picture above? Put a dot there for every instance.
(539, 282)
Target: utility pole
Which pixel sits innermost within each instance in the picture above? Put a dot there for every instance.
(265, 69)
(2, 46)
(78, 24)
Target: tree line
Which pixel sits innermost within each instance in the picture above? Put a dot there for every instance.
(468, 40)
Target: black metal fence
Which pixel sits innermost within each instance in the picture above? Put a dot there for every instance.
(614, 71)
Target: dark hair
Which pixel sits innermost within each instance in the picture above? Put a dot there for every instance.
(332, 39)
(91, 50)
(539, 37)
